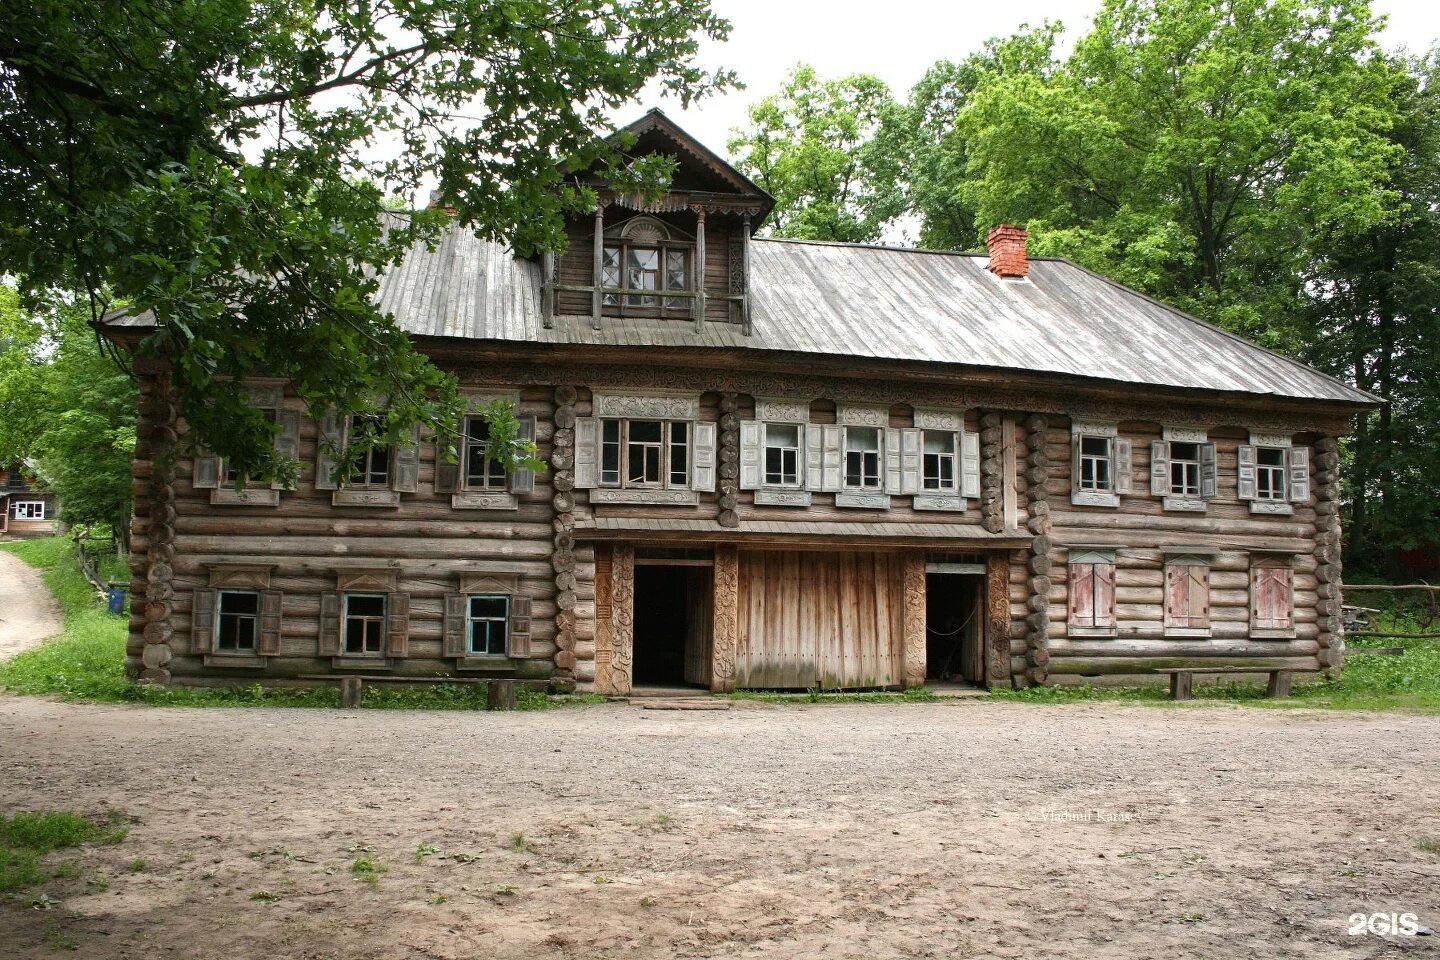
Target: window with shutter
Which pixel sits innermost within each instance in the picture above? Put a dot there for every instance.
(397, 638)
(329, 643)
(519, 626)
(1091, 589)
(1272, 599)
(1187, 597)
(1097, 476)
(1183, 469)
(487, 625)
(202, 621)
(271, 616)
(455, 630)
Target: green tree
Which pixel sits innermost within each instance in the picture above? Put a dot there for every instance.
(1375, 320)
(224, 166)
(1194, 148)
(816, 146)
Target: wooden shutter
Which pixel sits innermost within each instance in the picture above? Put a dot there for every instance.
(969, 464)
(1082, 594)
(815, 457)
(287, 441)
(397, 637)
(1245, 472)
(1272, 597)
(454, 644)
(327, 443)
(1297, 462)
(407, 464)
(751, 452)
(833, 457)
(910, 462)
(702, 471)
(1123, 465)
(1159, 468)
(587, 452)
(891, 459)
(1209, 474)
(329, 645)
(523, 479)
(1075, 462)
(202, 621)
(519, 646)
(271, 607)
(1104, 594)
(1187, 595)
(205, 471)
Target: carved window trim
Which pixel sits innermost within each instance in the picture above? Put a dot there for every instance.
(645, 233)
(240, 575)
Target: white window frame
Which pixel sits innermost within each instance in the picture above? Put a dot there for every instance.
(798, 450)
(1282, 470)
(667, 446)
(1117, 459)
(1205, 464)
(28, 507)
(952, 489)
(471, 620)
(879, 453)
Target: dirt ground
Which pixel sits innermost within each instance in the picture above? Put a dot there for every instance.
(862, 831)
(28, 614)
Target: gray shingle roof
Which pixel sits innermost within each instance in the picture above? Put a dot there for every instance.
(882, 303)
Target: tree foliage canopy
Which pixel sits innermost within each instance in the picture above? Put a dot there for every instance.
(816, 146)
(224, 165)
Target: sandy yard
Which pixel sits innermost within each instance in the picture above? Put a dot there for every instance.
(28, 613)
(769, 831)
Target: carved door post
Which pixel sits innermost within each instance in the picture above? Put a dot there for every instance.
(914, 619)
(997, 619)
(622, 618)
(726, 630)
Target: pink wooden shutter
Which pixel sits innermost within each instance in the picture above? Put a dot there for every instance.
(1273, 606)
(1177, 595)
(1082, 594)
(329, 624)
(397, 639)
(1104, 611)
(270, 610)
(1198, 592)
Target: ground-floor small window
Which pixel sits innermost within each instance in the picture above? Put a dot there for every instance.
(1272, 596)
(28, 510)
(237, 622)
(489, 621)
(1187, 595)
(364, 623)
(1091, 584)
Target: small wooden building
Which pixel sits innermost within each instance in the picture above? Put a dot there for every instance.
(24, 510)
(770, 464)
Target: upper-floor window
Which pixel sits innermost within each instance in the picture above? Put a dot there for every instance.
(862, 458)
(937, 468)
(782, 454)
(481, 472)
(1270, 483)
(1096, 473)
(233, 476)
(372, 469)
(1184, 469)
(644, 453)
(646, 273)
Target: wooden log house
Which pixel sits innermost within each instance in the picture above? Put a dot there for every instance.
(25, 511)
(770, 464)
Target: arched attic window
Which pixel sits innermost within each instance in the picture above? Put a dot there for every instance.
(643, 255)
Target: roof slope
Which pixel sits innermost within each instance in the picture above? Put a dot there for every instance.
(882, 303)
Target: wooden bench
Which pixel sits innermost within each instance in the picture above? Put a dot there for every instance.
(1182, 679)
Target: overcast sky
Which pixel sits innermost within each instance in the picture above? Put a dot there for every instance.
(898, 39)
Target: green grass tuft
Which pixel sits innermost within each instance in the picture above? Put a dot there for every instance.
(27, 837)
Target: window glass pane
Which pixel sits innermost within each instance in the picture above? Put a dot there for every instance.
(645, 431)
(675, 273)
(939, 442)
(492, 606)
(1270, 456)
(782, 435)
(365, 605)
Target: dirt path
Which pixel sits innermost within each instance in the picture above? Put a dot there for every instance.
(766, 832)
(28, 613)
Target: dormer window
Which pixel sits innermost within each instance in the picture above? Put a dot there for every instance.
(644, 260)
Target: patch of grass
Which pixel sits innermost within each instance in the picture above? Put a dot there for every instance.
(423, 850)
(137, 865)
(646, 901)
(518, 843)
(435, 899)
(265, 896)
(87, 660)
(1429, 844)
(369, 870)
(27, 837)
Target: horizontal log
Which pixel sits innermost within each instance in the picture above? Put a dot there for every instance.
(1173, 647)
(355, 550)
(1098, 666)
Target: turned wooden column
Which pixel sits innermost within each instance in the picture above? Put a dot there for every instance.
(725, 631)
(160, 417)
(729, 485)
(598, 262)
(562, 554)
(913, 628)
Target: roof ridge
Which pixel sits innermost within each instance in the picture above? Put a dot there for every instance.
(892, 248)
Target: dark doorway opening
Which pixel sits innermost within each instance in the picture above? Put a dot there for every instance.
(672, 625)
(954, 624)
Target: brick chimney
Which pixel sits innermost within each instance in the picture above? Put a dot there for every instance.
(1007, 251)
